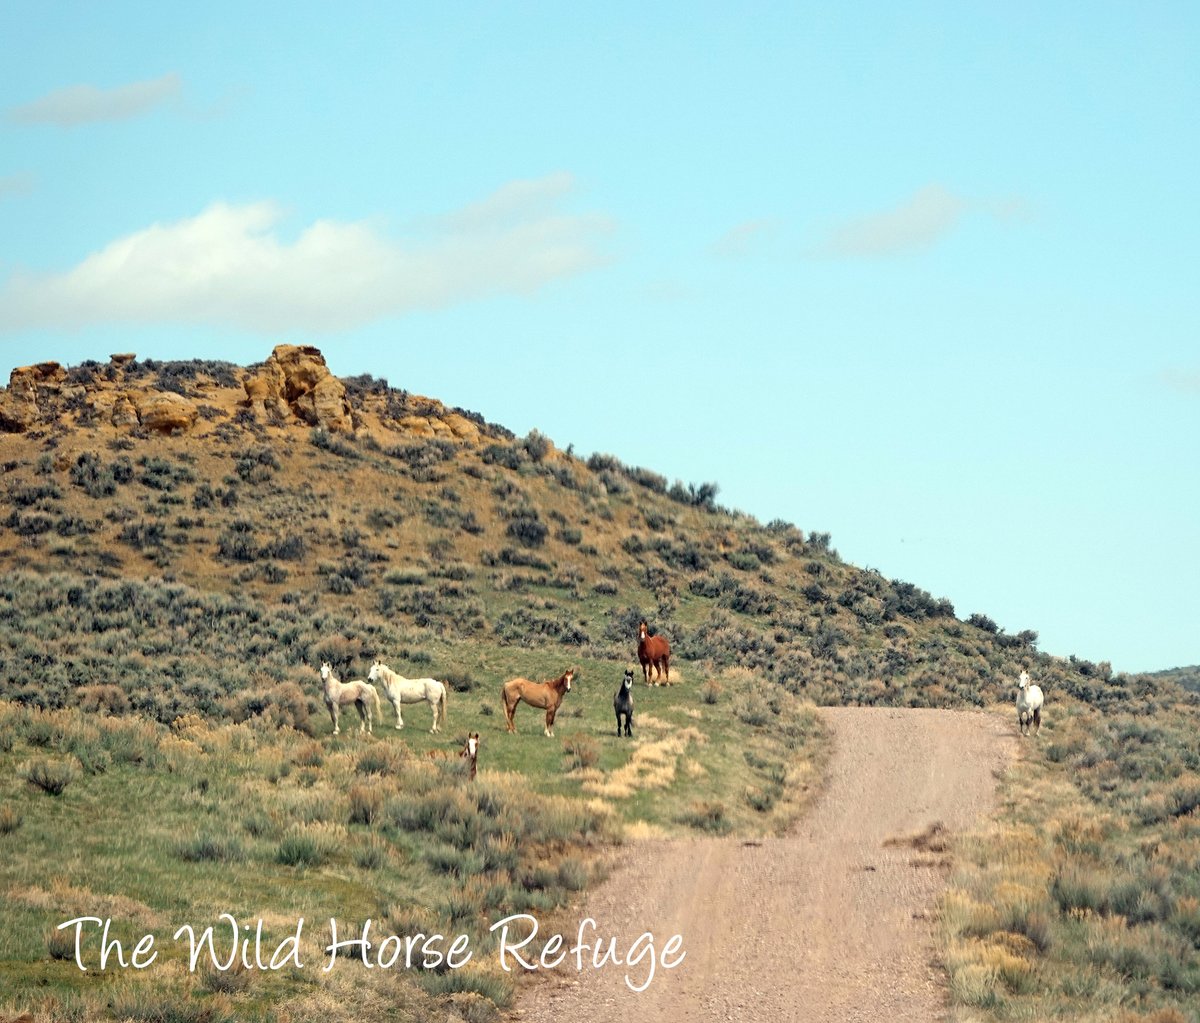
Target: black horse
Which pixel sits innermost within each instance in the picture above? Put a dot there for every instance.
(623, 703)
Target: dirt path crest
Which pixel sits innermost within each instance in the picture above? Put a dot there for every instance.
(830, 923)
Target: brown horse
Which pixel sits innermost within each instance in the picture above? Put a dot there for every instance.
(654, 652)
(469, 752)
(547, 695)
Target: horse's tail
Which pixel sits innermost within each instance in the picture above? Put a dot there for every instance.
(378, 705)
(442, 701)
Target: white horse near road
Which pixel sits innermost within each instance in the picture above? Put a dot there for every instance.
(1029, 705)
(399, 689)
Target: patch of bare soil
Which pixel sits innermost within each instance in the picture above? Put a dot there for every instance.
(832, 922)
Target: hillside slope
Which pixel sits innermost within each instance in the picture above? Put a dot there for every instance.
(149, 507)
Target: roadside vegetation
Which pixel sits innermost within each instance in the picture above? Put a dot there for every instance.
(1081, 900)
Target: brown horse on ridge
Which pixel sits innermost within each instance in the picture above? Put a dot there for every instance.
(548, 695)
(654, 652)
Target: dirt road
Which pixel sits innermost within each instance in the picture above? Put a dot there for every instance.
(831, 923)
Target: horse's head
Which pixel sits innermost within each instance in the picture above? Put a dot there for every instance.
(568, 675)
(373, 674)
(471, 748)
(627, 682)
(1023, 681)
(643, 631)
(326, 670)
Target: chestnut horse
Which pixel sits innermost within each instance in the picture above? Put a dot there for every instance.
(654, 652)
(548, 695)
(470, 753)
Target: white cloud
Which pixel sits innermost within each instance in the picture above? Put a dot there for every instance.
(918, 222)
(742, 239)
(230, 266)
(82, 104)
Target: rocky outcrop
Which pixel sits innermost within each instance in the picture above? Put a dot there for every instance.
(292, 388)
(165, 412)
(295, 381)
(19, 407)
(124, 413)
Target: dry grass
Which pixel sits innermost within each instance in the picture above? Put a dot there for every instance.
(1081, 900)
(653, 765)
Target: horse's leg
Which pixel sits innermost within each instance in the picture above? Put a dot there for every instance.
(333, 716)
(550, 722)
(618, 724)
(433, 707)
(667, 667)
(629, 722)
(509, 710)
(396, 707)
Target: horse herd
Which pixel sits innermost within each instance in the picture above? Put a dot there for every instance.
(654, 655)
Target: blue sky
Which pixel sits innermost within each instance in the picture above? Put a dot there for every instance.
(923, 276)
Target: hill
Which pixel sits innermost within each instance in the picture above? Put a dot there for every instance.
(1188, 678)
(303, 518)
(185, 542)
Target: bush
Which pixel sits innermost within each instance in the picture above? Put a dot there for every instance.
(365, 804)
(306, 846)
(536, 445)
(706, 816)
(89, 474)
(582, 750)
(207, 847)
(527, 530)
(51, 778)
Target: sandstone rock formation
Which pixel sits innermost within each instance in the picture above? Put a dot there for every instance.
(165, 412)
(296, 381)
(19, 408)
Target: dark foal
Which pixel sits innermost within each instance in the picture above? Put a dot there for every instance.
(623, 703)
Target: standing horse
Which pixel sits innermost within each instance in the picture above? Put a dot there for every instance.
(470, 751)
(399, 689)
(1029, 705)
(654, 652)
(623, 703)
(358, 692)
(548, 695)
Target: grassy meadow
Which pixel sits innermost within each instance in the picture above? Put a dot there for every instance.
(166, 601)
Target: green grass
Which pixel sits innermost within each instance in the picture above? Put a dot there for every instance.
(254, 820)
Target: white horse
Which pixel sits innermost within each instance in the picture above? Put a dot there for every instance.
(1029, 705)
(399, 689)
(358, 692)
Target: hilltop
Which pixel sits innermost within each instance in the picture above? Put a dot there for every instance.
(302, 517)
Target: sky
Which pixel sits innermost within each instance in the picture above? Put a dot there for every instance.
(922, 276)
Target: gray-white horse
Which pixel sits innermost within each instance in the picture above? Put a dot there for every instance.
(1029, 705)
(358, 692)
(399, 689)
